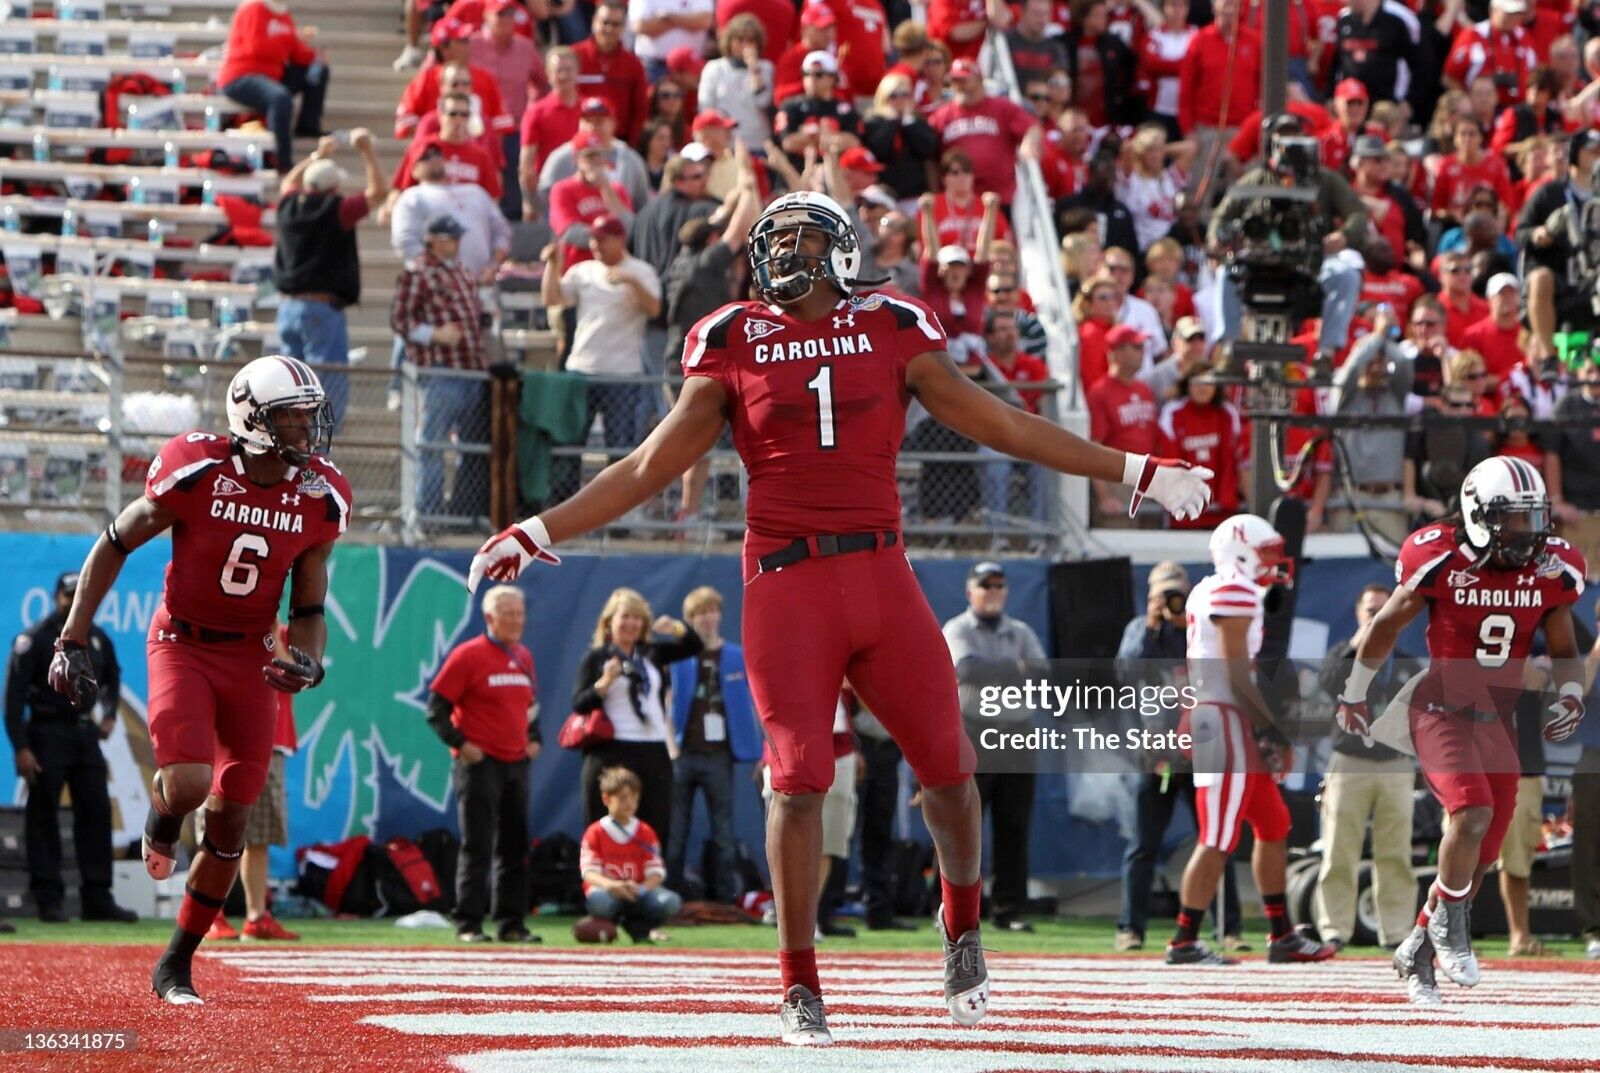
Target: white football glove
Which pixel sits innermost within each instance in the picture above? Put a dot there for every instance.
(504, 555)
(1181, 488)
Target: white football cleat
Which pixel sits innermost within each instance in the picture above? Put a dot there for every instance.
(966, 977)
(1450, 932)
(160, 859)
(804, 1020)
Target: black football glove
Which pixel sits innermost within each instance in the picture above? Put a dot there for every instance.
(71, 674)
(298, 672)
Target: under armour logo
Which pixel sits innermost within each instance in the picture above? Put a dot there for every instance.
(163, 635)
(290, 499)
(1526, 579)
(846, 321)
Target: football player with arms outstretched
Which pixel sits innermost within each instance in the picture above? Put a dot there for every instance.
(815, 380)
(1490, 580)
(247, 511)
(1239, 753)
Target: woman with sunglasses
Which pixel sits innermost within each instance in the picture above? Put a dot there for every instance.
(1095, 310)
(666, 105)
(739, 82)
(901, 140)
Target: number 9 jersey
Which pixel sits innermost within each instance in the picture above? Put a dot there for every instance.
(234, 542)
(1482, 619)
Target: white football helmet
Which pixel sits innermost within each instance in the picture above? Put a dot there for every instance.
(268, 386)
(1248, 546)
(788, 275)
(1505, 510)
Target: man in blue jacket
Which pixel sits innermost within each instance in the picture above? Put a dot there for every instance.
(714, 720)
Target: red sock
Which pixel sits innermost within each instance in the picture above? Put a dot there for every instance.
(961, 906)
(197, 911)
(799, 967)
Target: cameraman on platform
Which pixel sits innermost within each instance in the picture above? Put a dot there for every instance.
(1298, 230)
(1561, 256)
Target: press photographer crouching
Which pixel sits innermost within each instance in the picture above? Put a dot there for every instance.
(1558, 232)
(1279, 229)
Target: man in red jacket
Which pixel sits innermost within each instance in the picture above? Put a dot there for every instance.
(606, 69)
(1219, 84)
(269, 61)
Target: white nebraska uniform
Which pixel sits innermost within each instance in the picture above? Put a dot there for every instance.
(1232, 784)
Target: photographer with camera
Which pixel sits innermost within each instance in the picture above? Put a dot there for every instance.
(1277, 226)
(1559, 239)
(1153, 651)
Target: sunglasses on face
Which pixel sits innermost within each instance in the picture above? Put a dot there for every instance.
(958, 171)
(1456, 270)
(1479, 375)
(1039, 98)
(458, 115)
(1111, 267)
(991, 585)
(1002, 290)
(668, 95)
(609, 24)
(899, 94)
(1426, 323)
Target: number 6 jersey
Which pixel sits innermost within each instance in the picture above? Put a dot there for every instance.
(818, 408)
(234, 541)
(1482, 619)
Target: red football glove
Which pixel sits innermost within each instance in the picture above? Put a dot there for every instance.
(1566, 714)
(1181, 488)
(504, 555)
(1354, 717)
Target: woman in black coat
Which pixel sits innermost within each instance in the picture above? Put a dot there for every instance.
(625, 674)
(901, 139)
(1119, 105)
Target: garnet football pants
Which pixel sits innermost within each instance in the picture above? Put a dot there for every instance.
(210, 705)
(860, 616)
(1469, 761)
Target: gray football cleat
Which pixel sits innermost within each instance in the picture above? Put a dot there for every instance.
(805, 1022)
(966, 977)
(1450, 932)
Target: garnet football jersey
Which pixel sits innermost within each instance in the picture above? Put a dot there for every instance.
(234, 541)
(818, 409)
(1482, 619)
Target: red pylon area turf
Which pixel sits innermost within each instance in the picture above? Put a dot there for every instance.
(245, 1026)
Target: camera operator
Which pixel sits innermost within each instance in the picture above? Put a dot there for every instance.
(1295, 231)
(1561, 257)
(1154, 649)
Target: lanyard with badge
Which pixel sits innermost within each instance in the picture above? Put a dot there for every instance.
(713, 725)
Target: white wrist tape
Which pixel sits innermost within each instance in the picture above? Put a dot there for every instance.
(1360, 680)
(1133, 468)
(1572, 689)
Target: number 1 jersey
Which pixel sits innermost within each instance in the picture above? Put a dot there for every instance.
(234, 541)
(818, 408)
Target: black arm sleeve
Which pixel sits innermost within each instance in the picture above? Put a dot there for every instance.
(585, 698)
(665, 653)
(1336, 668)
(16, 699)
(439, 719)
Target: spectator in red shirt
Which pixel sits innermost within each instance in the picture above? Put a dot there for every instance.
(777, 18)
(1495, 337)
(451, 48)
(1219, 84)
(1006, 362)
(578, 200)
(548, 122)
(861, 33)
(1095, 310)
(1102, 67)
(952, 281)
(1498, 47)
(1122, 415)
(1468, 166)
(818, 33)
(622, 867)
(483, 704)
(1203, 428)
(465, 160)
(1351, 106)
(1462, 308)
(1161, 61)
(962, 24)
(608, 70)
(957, 211)
(268, 62)
(992, 131)
(1384, 284)
(1371, 184)
(457, 81)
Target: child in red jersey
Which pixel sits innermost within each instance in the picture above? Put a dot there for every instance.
(622, 865)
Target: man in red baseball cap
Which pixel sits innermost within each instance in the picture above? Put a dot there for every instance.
(819, 32)
(626, 166)
(1122, 413)
(1350, 107)
(861, 168)
(451, 50)
(585, 196)
(990, 130)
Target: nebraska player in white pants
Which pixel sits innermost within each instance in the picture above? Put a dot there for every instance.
(1235, 783)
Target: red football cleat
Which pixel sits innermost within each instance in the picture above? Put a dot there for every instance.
(221, 929)
(267, 927)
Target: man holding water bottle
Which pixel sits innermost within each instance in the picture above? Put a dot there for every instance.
(316, 264)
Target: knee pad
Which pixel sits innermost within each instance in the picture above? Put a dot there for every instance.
(224, 837)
